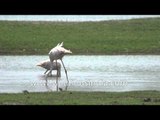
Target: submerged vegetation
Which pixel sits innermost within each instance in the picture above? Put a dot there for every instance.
(137, 36)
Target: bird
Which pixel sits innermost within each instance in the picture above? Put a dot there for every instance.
(47, 64)
(25, 92)
(57, 53)
(60, 89)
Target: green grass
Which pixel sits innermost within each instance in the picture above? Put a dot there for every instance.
(137, 36)
(82, 98)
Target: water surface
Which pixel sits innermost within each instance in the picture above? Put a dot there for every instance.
(74, 18)
(86, 73)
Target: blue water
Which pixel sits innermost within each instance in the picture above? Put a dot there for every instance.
(71, 17)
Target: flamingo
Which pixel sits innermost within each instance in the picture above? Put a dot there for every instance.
(57, 53)
(47, 64)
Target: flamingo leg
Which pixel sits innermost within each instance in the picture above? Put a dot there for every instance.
(57, 77)
(47, 87)
(66, 74)
(50, 72)
(46, 72)
(59, 72)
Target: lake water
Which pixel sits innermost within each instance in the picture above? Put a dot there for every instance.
(71, 17)
(86, 73)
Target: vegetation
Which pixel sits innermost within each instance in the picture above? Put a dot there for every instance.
(136, 36)
(82, 98)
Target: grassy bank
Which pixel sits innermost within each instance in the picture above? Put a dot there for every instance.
(137, 36)
(82, 98)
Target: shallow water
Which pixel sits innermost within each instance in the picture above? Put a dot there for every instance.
(86, 73)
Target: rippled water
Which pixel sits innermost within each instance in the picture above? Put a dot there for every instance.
(86, 73)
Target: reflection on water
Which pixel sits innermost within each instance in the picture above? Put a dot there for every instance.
(86, 73)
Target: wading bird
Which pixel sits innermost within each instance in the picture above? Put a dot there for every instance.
(47, 65)
(57, 53)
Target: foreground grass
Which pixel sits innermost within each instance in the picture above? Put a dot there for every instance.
(82, 98)
(137, 36)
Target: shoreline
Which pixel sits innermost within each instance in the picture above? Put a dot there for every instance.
(1, 54)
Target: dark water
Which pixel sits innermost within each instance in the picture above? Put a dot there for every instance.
(86, 73)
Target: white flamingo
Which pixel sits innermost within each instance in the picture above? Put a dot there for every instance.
(57, 53)
(47, 65)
